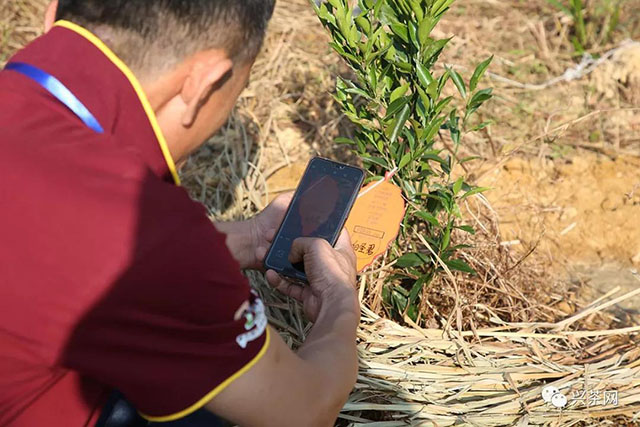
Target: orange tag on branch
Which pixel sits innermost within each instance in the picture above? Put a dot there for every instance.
(374, 221)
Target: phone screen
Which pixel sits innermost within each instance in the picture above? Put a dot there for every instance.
(319, 208)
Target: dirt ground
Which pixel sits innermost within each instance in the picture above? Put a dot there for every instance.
(582, 210)
(582, 213)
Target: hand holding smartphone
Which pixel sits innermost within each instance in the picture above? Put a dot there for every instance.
(319, 208)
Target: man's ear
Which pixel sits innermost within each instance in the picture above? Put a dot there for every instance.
(207, 74)
(50, 15)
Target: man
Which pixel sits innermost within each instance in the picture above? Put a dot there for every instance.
(111, 278)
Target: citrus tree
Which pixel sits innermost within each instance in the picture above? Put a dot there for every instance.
(400, 113)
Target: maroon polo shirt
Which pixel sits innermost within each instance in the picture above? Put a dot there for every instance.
(111, 277)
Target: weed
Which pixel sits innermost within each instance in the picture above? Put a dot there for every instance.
(593, 22)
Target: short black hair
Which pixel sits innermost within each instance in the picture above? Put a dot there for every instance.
(145, 32)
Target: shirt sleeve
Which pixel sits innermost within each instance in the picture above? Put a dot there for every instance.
(180, 322)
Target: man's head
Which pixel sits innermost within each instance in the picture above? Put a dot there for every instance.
(192, 56)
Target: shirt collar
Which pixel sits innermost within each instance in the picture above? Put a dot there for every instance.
(106, 86)
(137, 87)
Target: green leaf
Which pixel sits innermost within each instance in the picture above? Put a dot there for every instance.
(399, 301)
(432, 53)
(412, 259)
(364, 25)
(432, 90)
(357, 91)
(398, 92)
(480, 97)
(468, 159)
(479, 72)
(446, 167)
(353, 36)
(375, 160)
(412, 311)
(454, 129)
(413, 35)
(475, 191)
(424, 75)
(457, 80)
(405, 160)
(417, 128)
(466, 228)
(442, 104)
(388, 15)
(424, 30)
(433, 129)
(428, 217)
(459, 265)
(409, 189)
(446, 238)
(342, 140)
(443, 79)
(416, 289)
(457, 186)
(411, 137)
(481, 126)
(401, 31)
(416, 6)
(396, 106)
(400, 122)
(476, 101)
(377, 9)
(440, 6)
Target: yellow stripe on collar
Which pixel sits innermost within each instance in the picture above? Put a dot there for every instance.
(136, 86)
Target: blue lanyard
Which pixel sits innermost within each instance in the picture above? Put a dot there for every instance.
(59, 91)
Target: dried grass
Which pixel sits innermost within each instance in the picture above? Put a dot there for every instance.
(483, 376)
(20, 22)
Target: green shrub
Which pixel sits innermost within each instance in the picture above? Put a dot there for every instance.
(397, 105)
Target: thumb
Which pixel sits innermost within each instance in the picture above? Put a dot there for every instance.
(343, 245)
(299, 247)
(306, 245)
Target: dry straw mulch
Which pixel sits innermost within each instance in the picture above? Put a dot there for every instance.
(491, 376)
(433, 377)
(20, 22)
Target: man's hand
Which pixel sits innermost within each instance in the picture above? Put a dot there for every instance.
(250, 240)
(331, 273)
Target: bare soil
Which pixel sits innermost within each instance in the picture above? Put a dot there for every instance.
(582, 213)
(583, 209)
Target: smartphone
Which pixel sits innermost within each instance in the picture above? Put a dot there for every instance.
(319, 208)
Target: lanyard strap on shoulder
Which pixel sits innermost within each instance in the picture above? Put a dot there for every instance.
(59, 91)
